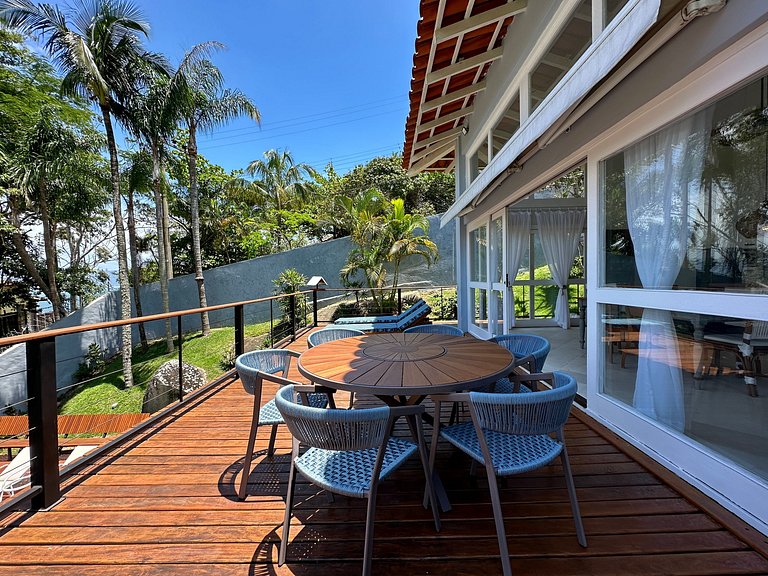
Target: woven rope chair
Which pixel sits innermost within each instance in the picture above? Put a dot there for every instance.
(253, 368)
(530, 352)
(510, 434)
(446, 329)
(330, 334)
(350, 452)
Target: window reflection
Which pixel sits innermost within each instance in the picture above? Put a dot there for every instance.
(696, 193)
(699, 374)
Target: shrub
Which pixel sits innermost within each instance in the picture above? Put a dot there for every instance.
(92, 365)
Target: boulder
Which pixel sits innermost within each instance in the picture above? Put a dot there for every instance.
(163, 388)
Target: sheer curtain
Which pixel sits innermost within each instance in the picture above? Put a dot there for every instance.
(661, 172)
(560, 231)
(519, 238)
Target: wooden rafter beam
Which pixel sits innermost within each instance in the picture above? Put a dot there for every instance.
(431, 158)
(464, 65)
(445, 119)
(479, 20)
(451, 96)
(438, 149)
(452, 133)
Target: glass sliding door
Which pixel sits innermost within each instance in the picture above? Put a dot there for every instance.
(478, 279)
(498, 318)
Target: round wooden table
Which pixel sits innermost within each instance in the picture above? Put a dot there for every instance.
(404, 368)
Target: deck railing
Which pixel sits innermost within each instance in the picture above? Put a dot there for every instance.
(300, 309)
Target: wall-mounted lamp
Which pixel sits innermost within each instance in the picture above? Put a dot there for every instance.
(464, 129)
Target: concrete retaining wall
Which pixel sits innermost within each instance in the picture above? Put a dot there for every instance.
(245, 280)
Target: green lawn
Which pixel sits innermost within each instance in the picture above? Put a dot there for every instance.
(97, 396)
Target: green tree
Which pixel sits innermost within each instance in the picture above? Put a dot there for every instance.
(99, 50)
(281, 187)
(206, 106)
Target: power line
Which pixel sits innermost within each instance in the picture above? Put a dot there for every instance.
(257, 130)
(318, 116)
(316, 128)
(345, 158)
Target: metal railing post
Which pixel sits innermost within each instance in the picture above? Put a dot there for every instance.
(271, 325)
(43, 421)
(293, 316)
(181, 365)
(314, 307)
(442, 305)
(239, 330)
(399, 300)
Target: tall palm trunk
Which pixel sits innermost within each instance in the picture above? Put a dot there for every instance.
(49, 244)
(194, 206)
(122, 258)
(161, 246)
(167, 235)
(135, 268)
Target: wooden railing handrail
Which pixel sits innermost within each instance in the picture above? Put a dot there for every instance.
(45, 334)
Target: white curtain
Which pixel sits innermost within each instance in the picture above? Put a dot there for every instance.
(560, 232)
(661, 172)
(519, 237)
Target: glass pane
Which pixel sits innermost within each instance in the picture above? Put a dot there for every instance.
(541, 268)
(561, 56)
(479, 297)
(612, 8)
(497, 313)
(497, 250)
(544, 301)
(478, 254)
(521, 294)
(507, 126)
(570, 185)
(478, 161)
(692, 374)
(697, 194)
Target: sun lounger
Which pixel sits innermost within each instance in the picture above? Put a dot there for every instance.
(412, 316)
(417, 306)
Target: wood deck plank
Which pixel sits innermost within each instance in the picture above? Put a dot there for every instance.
(163, 503)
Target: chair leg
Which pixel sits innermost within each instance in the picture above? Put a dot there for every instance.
(498, 517)
(368, 547)
(572, 495)
(249, 450)
(272, 437)
(287, 519)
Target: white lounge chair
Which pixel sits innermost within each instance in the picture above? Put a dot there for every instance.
(15, 476)
(77, 453)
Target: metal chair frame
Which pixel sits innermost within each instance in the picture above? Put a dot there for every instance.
(347, 431)
(252, 379)
(536, 414)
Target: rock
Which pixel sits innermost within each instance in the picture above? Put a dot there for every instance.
(163, 389)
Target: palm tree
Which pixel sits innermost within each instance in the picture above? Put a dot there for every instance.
(99, 50)
(207, 107)
(279, 185)
(400, 232)
(138, 178)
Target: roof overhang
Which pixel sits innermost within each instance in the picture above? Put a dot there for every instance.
(457, 42)
(597, 62)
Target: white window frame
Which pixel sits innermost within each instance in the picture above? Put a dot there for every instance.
(747, 495)
(473, 328)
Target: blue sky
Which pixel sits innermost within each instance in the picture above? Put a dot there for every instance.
(330, 78)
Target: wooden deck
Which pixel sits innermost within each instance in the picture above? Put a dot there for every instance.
(163, 503)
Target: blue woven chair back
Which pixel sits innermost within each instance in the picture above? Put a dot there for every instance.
(526, 414)
(436, 329)
(332, 429)
(331, 334)
(522, 345)
(269, 361)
